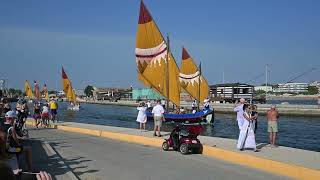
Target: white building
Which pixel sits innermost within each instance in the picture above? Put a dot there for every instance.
(60, 93)
(292, 88)
(263, 88)
(315, 83)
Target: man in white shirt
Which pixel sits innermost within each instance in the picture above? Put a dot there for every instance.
(239, 110)
(157, 112)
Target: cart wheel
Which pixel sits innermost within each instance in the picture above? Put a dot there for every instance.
(200, 150)
(165, 146)
(184, 148)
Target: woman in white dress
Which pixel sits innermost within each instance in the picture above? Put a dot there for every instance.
(142, 116)
(246, 135)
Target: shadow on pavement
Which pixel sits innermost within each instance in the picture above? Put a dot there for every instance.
(75, 164)
(54, 164)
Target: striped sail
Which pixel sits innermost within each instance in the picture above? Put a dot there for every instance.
(151, 58)
(28, 90)
(190, 77)
(67, 87)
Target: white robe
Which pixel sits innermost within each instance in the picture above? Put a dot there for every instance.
(246, 136)
(142, 116)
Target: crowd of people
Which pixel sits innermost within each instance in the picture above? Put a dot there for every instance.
(247, 118)
(13, 140)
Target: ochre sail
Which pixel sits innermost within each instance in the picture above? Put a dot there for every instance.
(28, 90)
(45, 92)
(67, 87)
(189, 78)
(151, 59)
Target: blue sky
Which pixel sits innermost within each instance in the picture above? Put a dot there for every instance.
(95, 40)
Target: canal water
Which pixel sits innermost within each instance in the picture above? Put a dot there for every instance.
(297, 132)
(294, 101)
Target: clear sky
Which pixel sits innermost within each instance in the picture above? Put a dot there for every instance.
(95, 40)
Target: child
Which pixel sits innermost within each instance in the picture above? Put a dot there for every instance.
(142, 116)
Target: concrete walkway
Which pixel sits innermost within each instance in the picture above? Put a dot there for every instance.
(45, 158)
(298, 157)
(291, 162)
(90, 157)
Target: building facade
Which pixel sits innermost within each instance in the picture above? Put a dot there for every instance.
(112, 94)
(263, 88)
(292, 88)
(231, 92)
(145, 94)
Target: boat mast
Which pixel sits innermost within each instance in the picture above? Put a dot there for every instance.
(167, 71)
(199, 81)
(266, 82)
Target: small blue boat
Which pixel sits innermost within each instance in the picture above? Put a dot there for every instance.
(189, 117)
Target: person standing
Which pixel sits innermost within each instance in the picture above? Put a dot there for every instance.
(45, 115)
(206, 104)
(246, 136)
(272, 117)
(254, 115)
(163, 103)
(142, 116)
(158, 117)
(194, 105)
(37, 113)
(53, 109)
(149, 108)
(239, 110)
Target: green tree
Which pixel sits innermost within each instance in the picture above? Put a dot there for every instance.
(312, 90)
(259, 92)
(88, 91)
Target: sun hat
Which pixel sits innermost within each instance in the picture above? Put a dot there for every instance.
(10, 114)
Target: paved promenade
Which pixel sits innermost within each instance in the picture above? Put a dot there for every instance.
(282, 160)
(90, 157)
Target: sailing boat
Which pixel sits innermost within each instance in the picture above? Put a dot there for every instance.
(192, 80)
(45, 92)
(37, 93)
(28, 90)
(157, 67)
(69, 91)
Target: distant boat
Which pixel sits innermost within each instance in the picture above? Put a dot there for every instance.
(69, 92)
(158, 69)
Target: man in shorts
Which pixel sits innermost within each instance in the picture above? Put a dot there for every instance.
(158, 117)
(272, 117)
(53, 109)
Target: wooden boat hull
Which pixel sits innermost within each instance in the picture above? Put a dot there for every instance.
(189, 117)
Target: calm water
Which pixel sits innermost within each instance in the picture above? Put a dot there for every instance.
(293, 101)
(297, 132)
